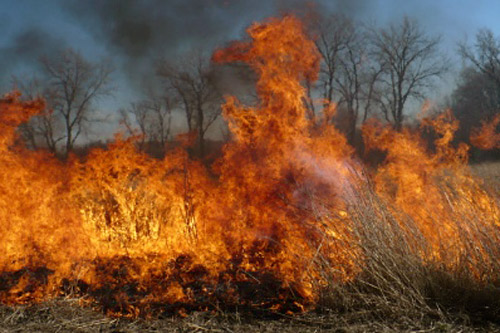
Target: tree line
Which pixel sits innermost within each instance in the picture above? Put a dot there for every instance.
(365, 72)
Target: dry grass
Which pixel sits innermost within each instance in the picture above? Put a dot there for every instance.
(397, 286)
(67, 316)
(395, 292)
(490, 172)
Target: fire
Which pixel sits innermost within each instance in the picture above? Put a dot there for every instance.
(437, 190)
(137, 235)
(487, 137)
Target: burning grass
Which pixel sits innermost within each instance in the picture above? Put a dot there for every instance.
(286, 221)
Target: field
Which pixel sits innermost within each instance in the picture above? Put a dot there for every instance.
(489, 171)
(415, 298)
(286, 231)
(67, 316)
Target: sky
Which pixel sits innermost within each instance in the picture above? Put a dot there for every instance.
(133, 34)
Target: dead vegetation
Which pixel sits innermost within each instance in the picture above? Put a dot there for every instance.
(489, 172)
(402, 284)
(396, 291)
(66, 315)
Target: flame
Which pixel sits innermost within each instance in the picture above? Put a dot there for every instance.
(137, 235)
(486, 137)
(437, 190)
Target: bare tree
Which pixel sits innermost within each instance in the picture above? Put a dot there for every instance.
(476, 98)
(332, 35)
(356, 79)
(194, 85)
(410, 61)
(45, 129)
(70, 85)
(348, 75)
(136, 121)
(477, 95)
(484, 55)
(153, 117)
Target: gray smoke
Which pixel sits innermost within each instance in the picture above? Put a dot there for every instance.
(135, 34)
(140, 32)
(25, 50)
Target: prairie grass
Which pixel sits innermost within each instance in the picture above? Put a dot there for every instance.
(402, 281)
(401, 286)
(490, 173)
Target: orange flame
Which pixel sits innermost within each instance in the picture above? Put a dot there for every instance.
(486, 137)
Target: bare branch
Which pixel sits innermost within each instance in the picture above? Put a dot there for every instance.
(70, 86)
(193, 83)
(410, 62)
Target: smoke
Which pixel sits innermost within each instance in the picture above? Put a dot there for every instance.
(140, 32)
(25, 49)
(137, 33)
(137, 29)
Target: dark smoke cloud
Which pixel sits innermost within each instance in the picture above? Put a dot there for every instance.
(139, 28)
(136, 28)
(136, 33)
(25, 50)
(139, 32)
